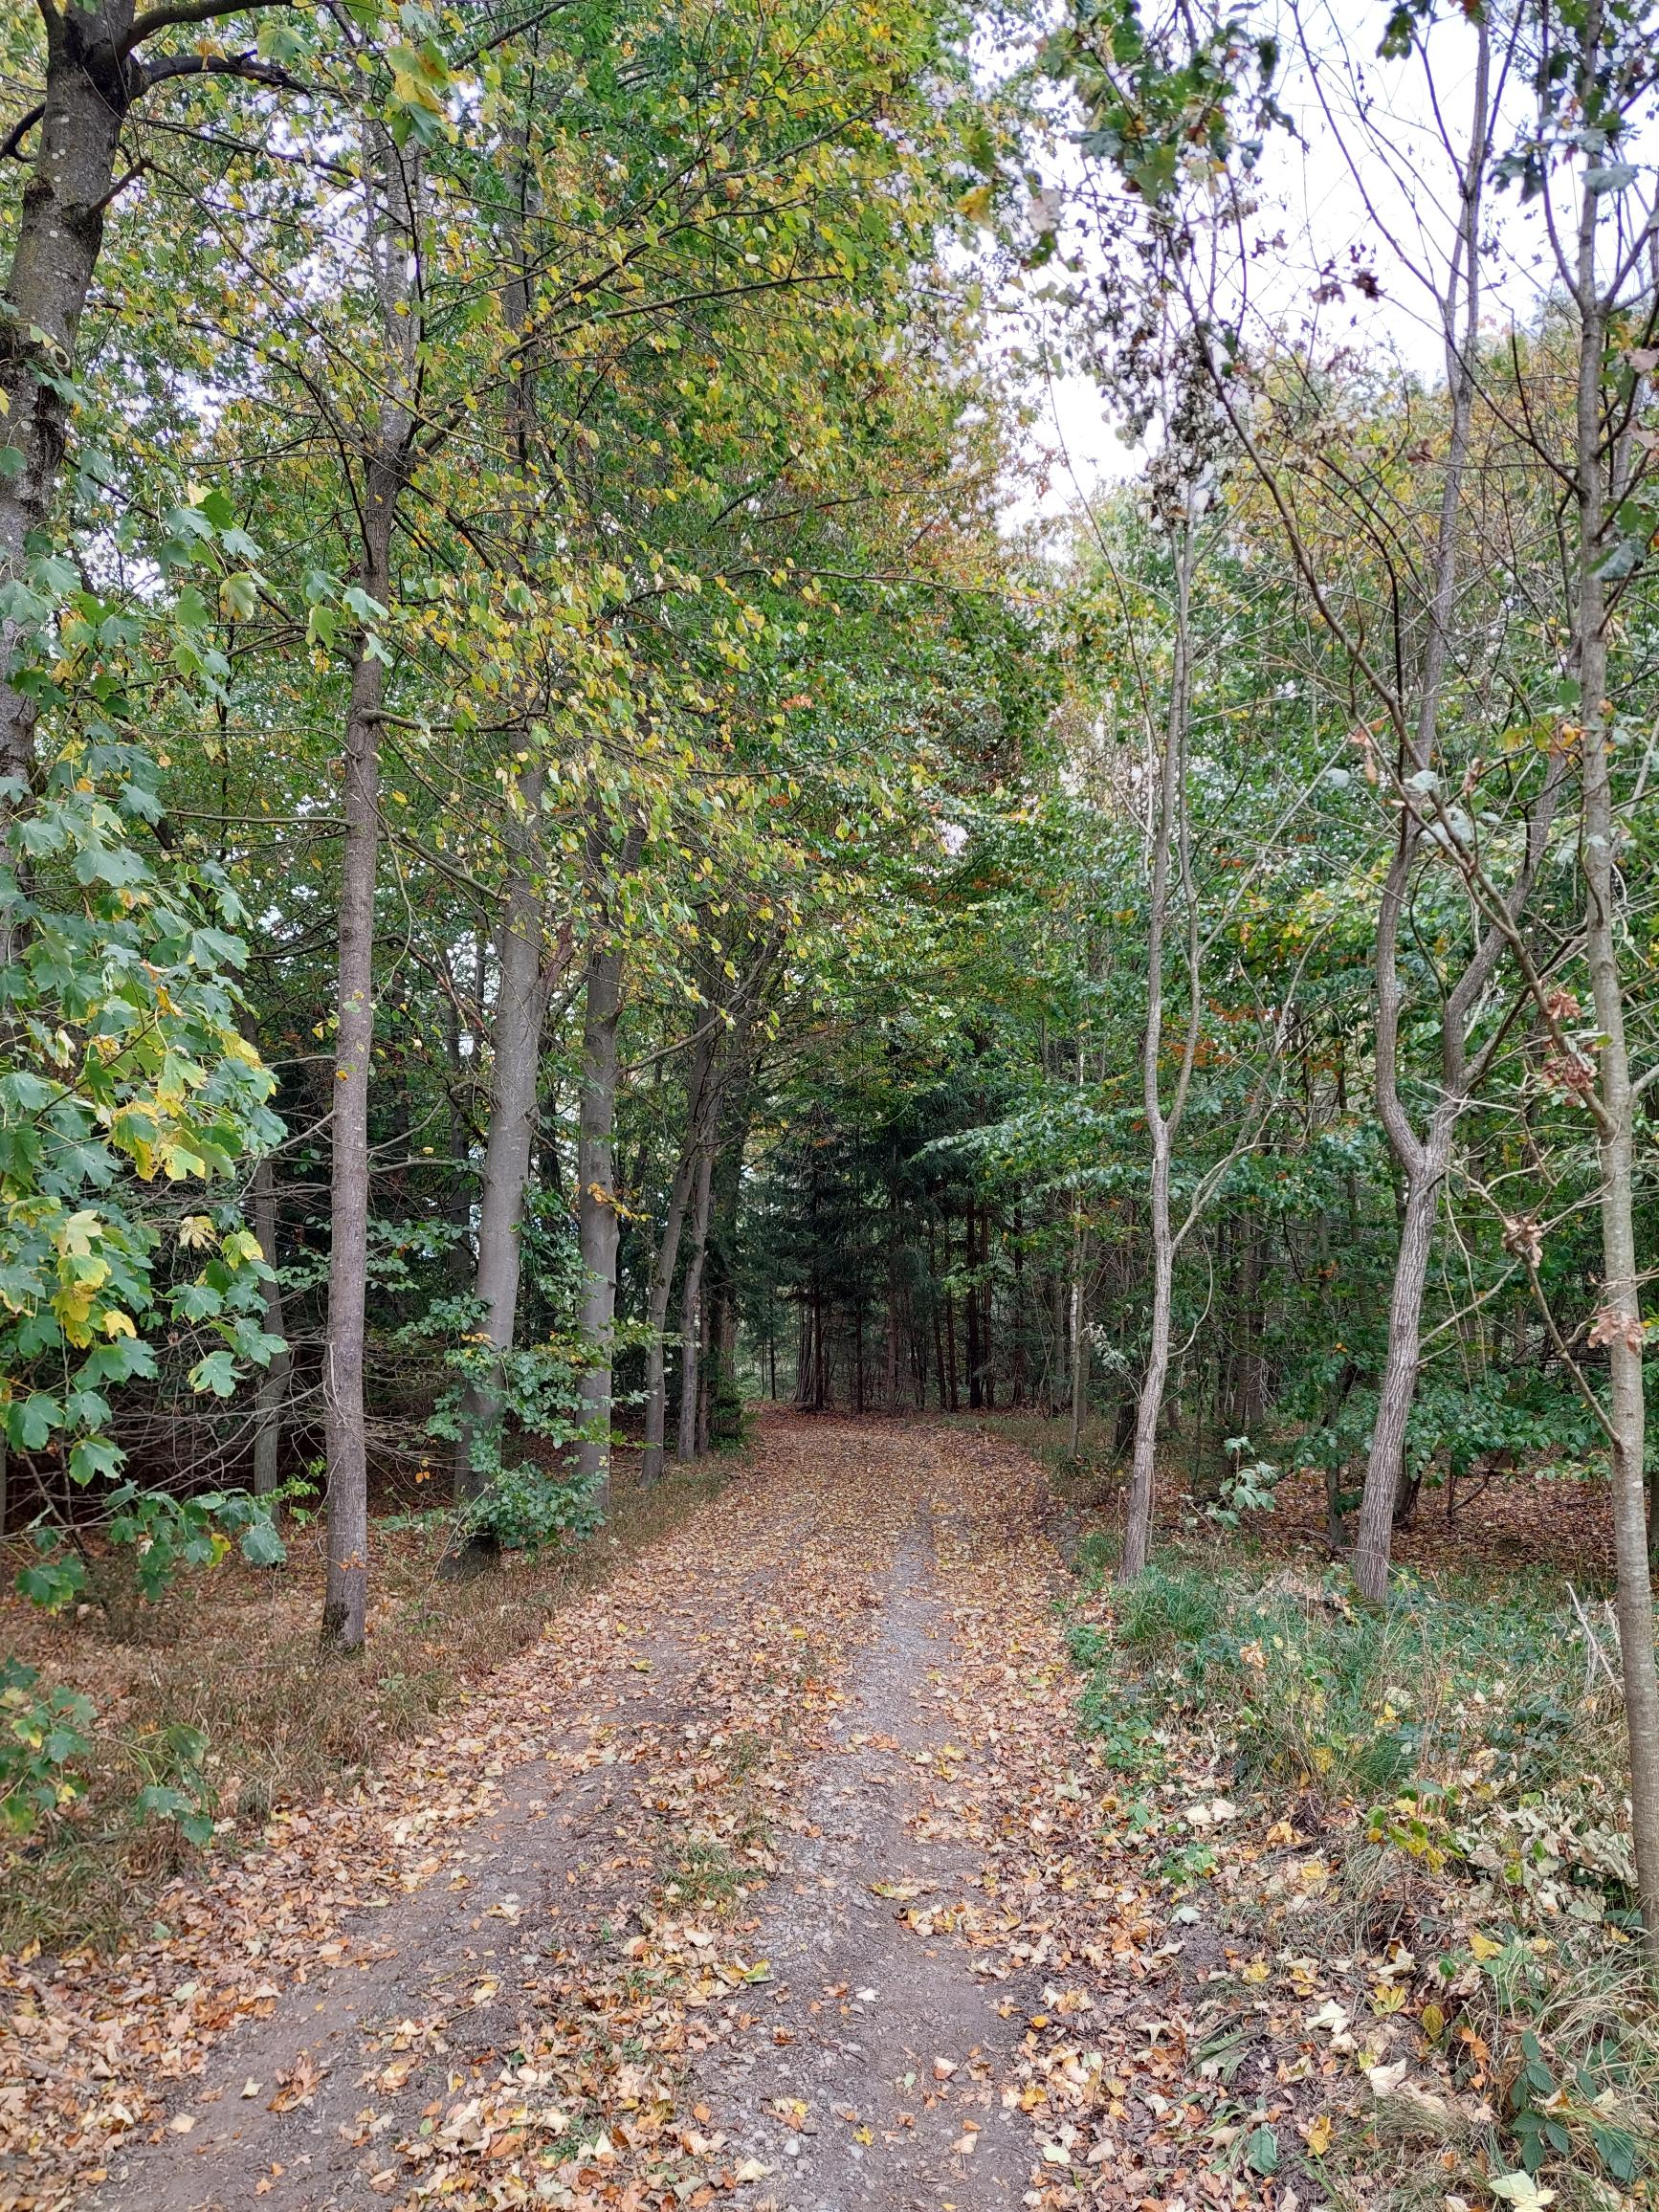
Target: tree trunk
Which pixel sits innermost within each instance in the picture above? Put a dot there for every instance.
(89, 88)
(663, 1267)
(972, 1312)
(598, 1227)
(691, 1312)
(346, 1601)
(1171, 803)
(1618, 1321)
(273, 1389)
(393, 191)
(1079, 1351)
(1017, 1381)
(1424, 1161)
(1386, 1461)
(524, 977)
(1143, 1478)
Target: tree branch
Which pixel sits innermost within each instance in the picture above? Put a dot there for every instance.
(244, 65)
(168, 16)
(12, 144)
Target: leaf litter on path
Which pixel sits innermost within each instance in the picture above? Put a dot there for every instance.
(822, 1905)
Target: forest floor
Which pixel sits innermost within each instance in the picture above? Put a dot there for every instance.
(777, 1875)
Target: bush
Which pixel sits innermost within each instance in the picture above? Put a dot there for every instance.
(43, 1735)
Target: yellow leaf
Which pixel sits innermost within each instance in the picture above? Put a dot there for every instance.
(1483, 1946)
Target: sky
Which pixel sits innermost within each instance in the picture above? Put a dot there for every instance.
(1363, 181)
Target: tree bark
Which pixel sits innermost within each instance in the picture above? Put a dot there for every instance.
(1171, 801)
(393, 192)
(1424, 1161)
(667, 1259)
(1374, 1539)
(1619, 1320)
(93, 78)
(690, 1305)
(597, 1222)
(1078, 1343)
(89, 89)
(524, 977)
(273, 1391)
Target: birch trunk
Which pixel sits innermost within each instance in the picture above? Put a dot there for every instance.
(393, 192)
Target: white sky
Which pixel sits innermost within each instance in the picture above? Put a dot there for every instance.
(1368, 172)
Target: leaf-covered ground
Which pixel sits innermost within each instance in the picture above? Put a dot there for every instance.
(778, 1875)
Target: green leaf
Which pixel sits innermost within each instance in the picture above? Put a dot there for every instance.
(216, 1373)
(1262, 2150)
(262, 1545)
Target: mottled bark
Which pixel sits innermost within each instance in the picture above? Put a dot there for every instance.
(524, 977)
(393, 191)
(273, 1391)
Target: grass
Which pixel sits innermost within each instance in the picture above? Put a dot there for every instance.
(221, 1692)
(1454, 1764)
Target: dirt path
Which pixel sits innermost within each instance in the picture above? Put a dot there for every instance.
(769, 1878)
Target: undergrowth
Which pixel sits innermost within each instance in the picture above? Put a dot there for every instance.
(228, 1707)
(1454, 1764)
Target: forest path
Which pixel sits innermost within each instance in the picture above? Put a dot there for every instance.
(768, 1878)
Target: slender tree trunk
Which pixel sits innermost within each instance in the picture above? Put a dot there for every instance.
(1619, 1320)
(346, 1601)
(273, 1391)
(692, 1306)
(598, 1225)
(971, 1313)
(1079, 1352)
(663, 1267)
(894, 1329)
(1374, 1540)
(803, 1354)
(393, 189)
(1143, 1478)
(1424, 1163)
(1017, 1382)
(524, 977)
(1171, 801)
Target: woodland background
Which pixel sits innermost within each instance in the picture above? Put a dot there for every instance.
(575, 850)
